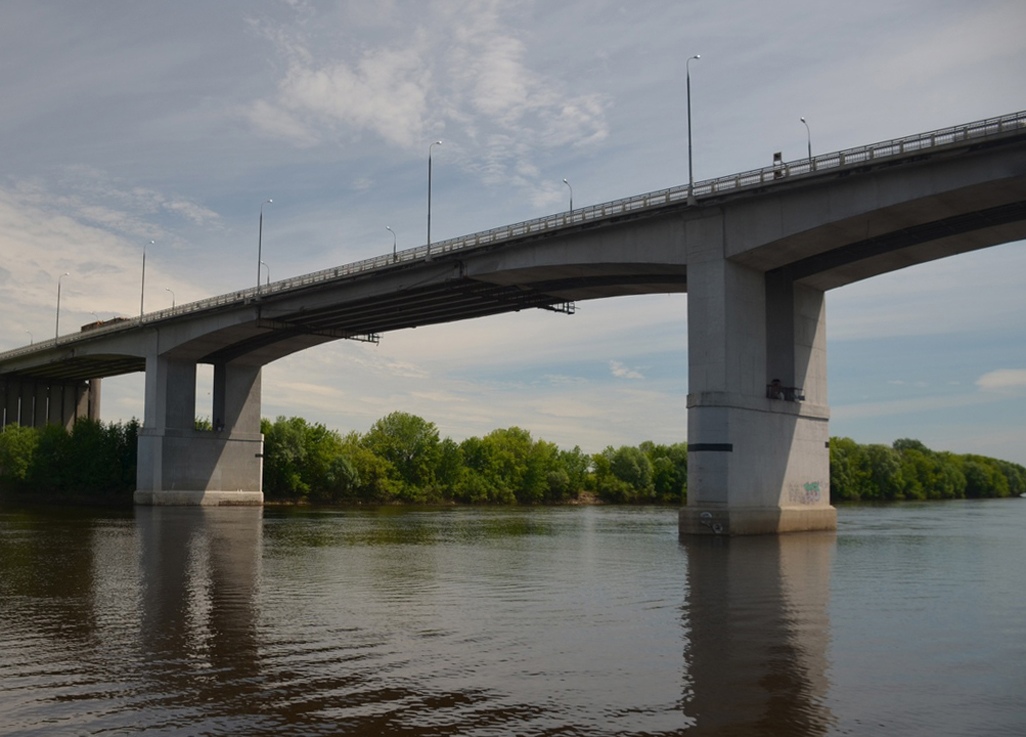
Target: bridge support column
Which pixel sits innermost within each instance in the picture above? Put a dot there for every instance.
(756, 464)
(180, 465)
(10, 394)
(35, 404)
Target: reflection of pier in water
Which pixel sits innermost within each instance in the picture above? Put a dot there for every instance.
(757, 633)
(200, 569)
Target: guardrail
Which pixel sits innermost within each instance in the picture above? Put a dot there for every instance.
(852, 157)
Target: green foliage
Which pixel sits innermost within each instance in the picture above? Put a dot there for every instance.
(508, 466)
(669, 470)
(306, 462)
(910, 470)
(95, 461)
(410, 444)
(17, 453)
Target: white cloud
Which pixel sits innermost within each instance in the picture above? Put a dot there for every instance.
(1002, 380)
(622, 372)
(477, 90)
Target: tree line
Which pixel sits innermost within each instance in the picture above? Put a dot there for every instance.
(403, 459)
(908, 470)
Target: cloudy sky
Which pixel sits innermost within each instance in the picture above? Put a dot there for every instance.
(125, 122)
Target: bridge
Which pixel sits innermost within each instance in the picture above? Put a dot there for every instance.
(756, 253)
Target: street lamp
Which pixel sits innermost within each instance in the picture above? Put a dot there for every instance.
(57, 328)
(428, 253)
(808, 135)
(169, 289)
(395, 255)
(31, 339)
(142, 287)
(571, 194)
(691, 171)
(260, 242)
(264, 264)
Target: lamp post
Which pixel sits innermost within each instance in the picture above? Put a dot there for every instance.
(57, 327)
(169, 289)
(428, 253)
(142, 287)
(31, 339)
(260, 241)
(395, 253)
(691, 171)
(264, 264)
(808, 138)
(571, 194)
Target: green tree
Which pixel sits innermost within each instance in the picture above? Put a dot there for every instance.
(624, 474)
(411, 445)
(374, 476)
(50, 468)
(576, 464)
(284, 458)
(17, 454)
(984, 478)
(669, 470)
(507, 466)
(885, 471)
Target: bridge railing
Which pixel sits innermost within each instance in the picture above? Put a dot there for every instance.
(852, 157)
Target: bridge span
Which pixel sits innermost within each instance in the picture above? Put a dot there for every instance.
(756, 252)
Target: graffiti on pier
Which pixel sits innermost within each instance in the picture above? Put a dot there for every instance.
(807, 493)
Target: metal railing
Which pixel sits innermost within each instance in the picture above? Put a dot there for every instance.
(777, 173)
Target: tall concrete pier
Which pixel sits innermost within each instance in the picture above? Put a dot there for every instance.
(758, 440)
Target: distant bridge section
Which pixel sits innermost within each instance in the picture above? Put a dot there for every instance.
(755, 252)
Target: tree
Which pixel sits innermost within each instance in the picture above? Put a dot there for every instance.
(17, 453)
(374, 476)
(623, 474)
(885, 471)
(576, 464)
(669, 470)
(410, 444)
(284, 458)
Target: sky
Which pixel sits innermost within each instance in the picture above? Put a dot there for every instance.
(124, 123)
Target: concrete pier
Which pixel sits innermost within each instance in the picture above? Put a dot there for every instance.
(758, 438)
(180, 465)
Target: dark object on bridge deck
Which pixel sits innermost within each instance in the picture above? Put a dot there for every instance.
(100, 323)
(776, 390)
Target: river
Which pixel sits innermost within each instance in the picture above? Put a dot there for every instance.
(909, 620)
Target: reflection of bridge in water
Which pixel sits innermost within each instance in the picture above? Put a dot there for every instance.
(756, 253)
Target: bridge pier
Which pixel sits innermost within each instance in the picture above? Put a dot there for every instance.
(757, 464)
(180, 465)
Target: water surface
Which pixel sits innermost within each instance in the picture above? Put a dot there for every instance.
(568, 621)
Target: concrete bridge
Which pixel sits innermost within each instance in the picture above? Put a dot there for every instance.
(756, 252)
